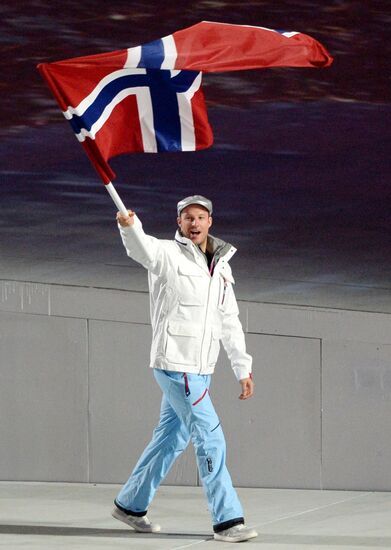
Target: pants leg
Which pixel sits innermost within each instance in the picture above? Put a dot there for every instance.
(169, 439)
(189, 397)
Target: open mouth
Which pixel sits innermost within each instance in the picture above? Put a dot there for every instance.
(194, 233)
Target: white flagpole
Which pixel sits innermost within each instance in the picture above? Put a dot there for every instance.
(116, 198)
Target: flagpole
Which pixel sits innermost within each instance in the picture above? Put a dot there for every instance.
(116, 198)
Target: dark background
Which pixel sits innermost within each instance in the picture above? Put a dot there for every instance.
(299, 173)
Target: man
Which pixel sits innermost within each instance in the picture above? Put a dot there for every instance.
(193, 307)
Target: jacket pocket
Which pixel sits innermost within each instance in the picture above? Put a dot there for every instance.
(223, 291)
(183, 343)
(189, 270)
(190, 285)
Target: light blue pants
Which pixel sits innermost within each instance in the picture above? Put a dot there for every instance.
(186, 413)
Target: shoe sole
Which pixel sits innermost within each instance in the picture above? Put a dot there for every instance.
(121, 516)
(242, 538)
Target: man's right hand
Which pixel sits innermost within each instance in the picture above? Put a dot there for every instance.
(125, 221)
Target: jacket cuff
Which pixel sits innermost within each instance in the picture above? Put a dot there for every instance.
(242, 372)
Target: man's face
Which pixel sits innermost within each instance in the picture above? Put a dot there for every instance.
(194, 223)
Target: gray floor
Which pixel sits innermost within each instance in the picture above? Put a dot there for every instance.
(58, 515)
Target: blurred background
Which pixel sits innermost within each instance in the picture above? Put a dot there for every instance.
(299, 173)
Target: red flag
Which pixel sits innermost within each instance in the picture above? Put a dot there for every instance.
(217, 47)
(149, 98)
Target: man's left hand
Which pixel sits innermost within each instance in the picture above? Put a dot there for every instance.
(247, 388)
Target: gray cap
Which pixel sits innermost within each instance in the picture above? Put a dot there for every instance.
(195, 199)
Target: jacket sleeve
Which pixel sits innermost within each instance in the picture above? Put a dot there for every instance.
(233, 338)
(144, 249)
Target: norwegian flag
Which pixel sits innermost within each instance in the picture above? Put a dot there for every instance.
(149, 98)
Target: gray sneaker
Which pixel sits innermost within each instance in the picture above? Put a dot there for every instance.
(237, 533)
(139, 524)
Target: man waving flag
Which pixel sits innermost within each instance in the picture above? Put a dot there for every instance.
(149, 98)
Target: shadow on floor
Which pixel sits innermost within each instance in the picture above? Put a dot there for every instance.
(62, 531)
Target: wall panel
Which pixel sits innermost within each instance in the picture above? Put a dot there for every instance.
(43, 398)
(274, 437)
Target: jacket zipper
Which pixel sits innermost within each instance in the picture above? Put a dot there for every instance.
(206, 316)
(211, 270)
(212, 266)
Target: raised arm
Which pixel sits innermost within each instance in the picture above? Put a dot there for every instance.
(144, 249)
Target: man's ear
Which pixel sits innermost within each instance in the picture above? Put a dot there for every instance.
(210, 221)
(178, 220)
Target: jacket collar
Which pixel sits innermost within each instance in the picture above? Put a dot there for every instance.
(217, 247)
(179, 238)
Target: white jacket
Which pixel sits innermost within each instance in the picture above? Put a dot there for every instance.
(191, 311)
